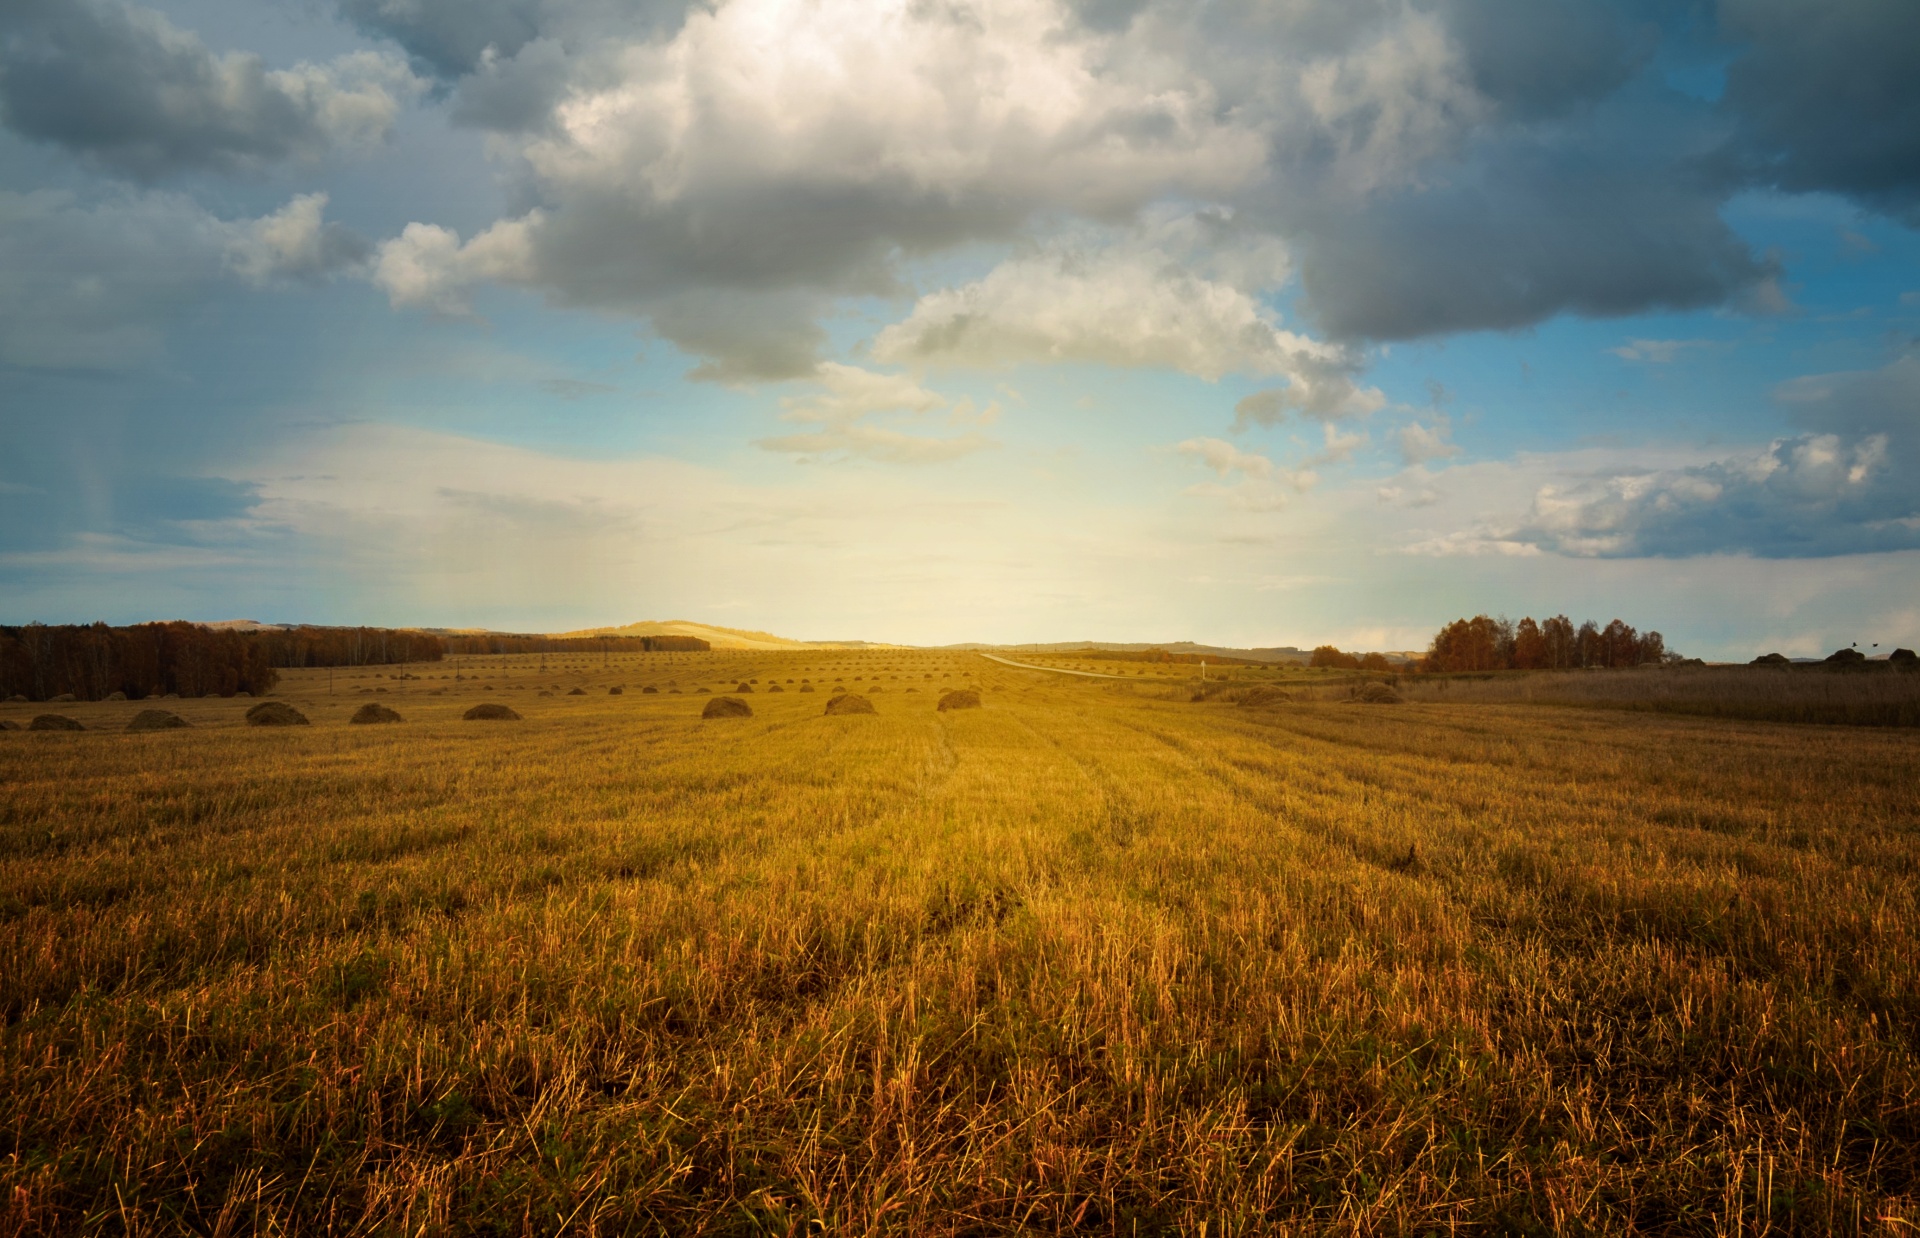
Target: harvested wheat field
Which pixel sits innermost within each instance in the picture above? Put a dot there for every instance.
(1098, 958)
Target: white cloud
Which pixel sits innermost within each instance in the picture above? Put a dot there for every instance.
(427, 266)
(294, 242)
(847, 400)
(1420, 443)
(1656, 352)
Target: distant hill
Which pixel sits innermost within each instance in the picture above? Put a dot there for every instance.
(718, 637)
(1280, 653)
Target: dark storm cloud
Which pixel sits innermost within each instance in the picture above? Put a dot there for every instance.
(124, 87)
(1533, 226)
(1827, 96)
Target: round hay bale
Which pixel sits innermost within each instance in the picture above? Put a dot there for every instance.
(15, 697)
(8, 724)
(1377, 694)
(54, 722)
(698, 691)
(115, 696)
(578, 692)
(649, 690)
(245, 693)
(743, 687)
(850, 703)
(373, 712)
(775, 688)
(616, 691)
(1266, 694)
(727, 707)
(157, 720)
(1846, 657)
(275, 713)
(491, 711)
(806, 687)
(960, 698)
(1770, 659)
(63, 697)
(1904, 657)
(543, 692)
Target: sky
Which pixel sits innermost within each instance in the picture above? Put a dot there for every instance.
(932, 321)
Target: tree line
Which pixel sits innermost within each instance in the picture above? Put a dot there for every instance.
(93, 661)
(1485, 644)
(502, 642)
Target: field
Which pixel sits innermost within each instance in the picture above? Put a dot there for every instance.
(1095, 958)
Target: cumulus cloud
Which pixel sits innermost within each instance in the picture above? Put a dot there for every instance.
(127, 89)
(1809, 496)
(1420, 442)
(1442, 167)
(92, 285)
(1254, 482)
(295, 242)
(842, 412)
(1126, 305)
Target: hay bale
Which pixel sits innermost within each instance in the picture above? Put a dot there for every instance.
(850, 703)
(578, 692)
(959, 698)
(650, 690)
(743, 687)
(8, 724)
(373, 712)
(700, 691)
(775, 688)
(63, 697)
(616, 691)
(1267, 694)
(15, 697)
(1771, 659)
(806, 687)
(727, 707)
(115, 696)
(157, 720)
(1377, 694)
(1904, 657)
(543, 692)
(491, 711)
(54, 722)
(275, 713)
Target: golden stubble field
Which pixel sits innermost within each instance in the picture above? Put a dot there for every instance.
(1093, 958)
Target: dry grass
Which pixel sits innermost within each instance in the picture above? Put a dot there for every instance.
(1088, 959)
(1876, 695)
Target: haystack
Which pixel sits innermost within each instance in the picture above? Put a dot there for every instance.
(959, 698)
(727, 707)
(775, 688)
(491, 712)
(806, 687)
(157, 720)
(1904, 657)
(64, 696)
(1267, 694)
(616, 691)
(115, 696)
(8, 724)
(1377, 694)
(275, 713)
(372, 712)
(1846, 657)
(578, 692)
(744, 687)
(1770, 659)
(54, 722)
(649, 690)
(850, 703)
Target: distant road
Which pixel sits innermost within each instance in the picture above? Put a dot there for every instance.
(1052, 670)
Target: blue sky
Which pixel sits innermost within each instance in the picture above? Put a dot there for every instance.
(1000, 320)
